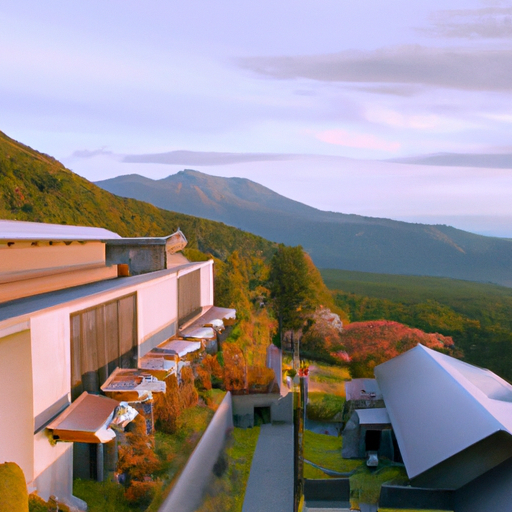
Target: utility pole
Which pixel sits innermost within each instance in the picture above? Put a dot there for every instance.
(298, 431)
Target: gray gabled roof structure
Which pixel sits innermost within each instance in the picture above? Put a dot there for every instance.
(452, 420)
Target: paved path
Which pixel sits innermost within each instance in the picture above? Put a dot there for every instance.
(270, 485)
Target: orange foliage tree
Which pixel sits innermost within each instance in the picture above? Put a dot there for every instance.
(234, 368)
(211, 365)
(138, 461)
(187, 390)
(168, 407)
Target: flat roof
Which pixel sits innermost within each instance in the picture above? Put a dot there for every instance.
(16, 230)
(28, 305)
(130, 379)
(362, 389)
(178, 237)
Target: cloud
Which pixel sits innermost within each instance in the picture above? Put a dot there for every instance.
(204, 158)
(488, 161)
(488, 23)
(85, 153)
(455, 68)
(404, 91)
(355, 140)
(398, 120)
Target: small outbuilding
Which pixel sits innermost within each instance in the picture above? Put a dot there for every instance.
(368, 430)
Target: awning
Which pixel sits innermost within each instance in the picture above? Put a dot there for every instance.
(132, 385)
(211, 316)
(180, 347)
(377, 418)
(86, 420)
(200, 333)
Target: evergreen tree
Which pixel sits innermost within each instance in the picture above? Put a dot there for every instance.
(291, 287)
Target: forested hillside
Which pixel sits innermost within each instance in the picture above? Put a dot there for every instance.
(36, 187)
(477, 316)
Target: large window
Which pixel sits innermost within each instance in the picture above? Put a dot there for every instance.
(102, 338)
(189, 295)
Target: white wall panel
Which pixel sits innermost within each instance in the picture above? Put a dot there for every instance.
(51, 358)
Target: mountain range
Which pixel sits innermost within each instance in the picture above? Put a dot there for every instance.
(334, 240)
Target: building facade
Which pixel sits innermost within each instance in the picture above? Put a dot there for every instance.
(70, 314)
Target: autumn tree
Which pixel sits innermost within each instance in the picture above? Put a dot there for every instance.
(137, 457)
(168, 406)
(187, 390)
(234, 368)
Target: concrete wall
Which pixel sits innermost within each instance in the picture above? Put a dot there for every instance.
(157, 306)
(27, 270)
(281, 408)
(50, 332)
(23, 257)
(397, 497)
(53, 468)
(187, 493)
(331, 489)
(491, 491)
(16, 417)
(207, 284)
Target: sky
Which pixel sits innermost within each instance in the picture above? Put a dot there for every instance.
(328, 91)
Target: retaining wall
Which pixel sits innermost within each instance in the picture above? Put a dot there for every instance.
(187, 493)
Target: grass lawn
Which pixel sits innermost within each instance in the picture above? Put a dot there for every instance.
(327, 378)
(226, 492)
(365, 484)
(326, 452)
(101, 497)
(323, 406)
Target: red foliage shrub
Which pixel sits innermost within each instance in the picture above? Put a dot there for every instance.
(141, 493)
(371, 343)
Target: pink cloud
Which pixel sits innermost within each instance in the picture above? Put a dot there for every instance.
(356, 140)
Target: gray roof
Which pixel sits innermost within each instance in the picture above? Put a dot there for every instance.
(361, 389)
(440, 406)
(15, 230)
(374, 416)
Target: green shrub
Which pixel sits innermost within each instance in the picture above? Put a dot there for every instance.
(13, 488)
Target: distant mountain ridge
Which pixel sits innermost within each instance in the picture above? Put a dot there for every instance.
(334, 240)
